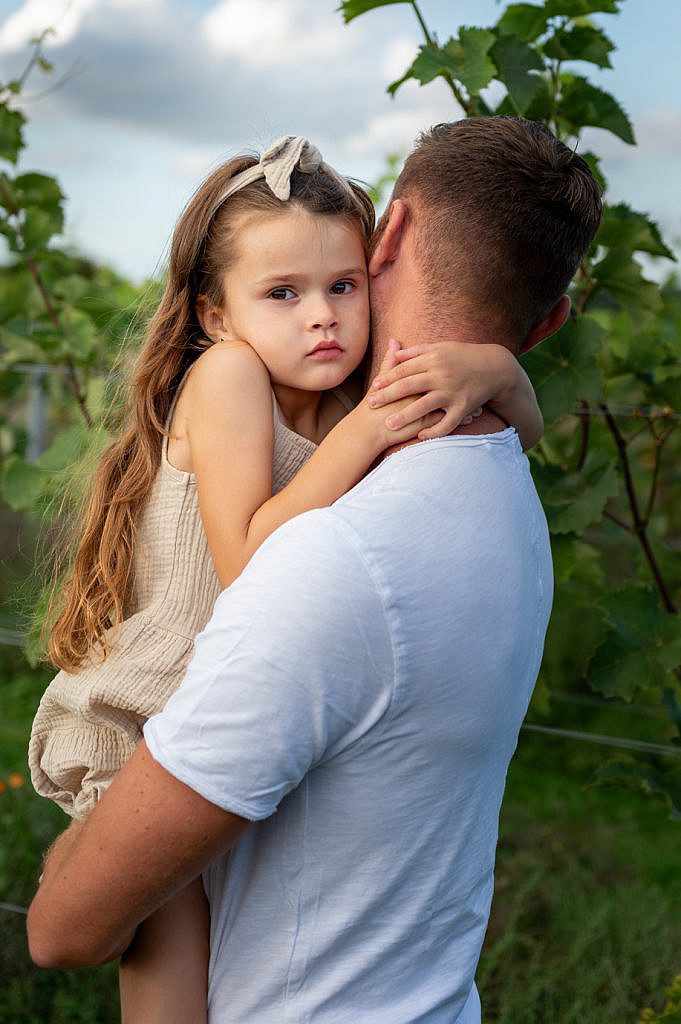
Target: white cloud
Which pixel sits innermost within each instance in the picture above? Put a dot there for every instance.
(267, 33)
(35, 16)
(398, 56)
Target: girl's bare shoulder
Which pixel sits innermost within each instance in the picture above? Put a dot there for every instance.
(226, 367)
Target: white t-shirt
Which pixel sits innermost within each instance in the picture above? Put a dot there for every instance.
(365, 679)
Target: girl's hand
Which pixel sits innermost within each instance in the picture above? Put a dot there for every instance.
(457, 378)
(376, 422)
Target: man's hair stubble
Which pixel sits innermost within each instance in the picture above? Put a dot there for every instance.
(506, 213)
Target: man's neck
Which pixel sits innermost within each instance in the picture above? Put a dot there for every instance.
(411, 330)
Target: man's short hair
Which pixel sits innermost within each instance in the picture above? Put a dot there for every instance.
(506, 213)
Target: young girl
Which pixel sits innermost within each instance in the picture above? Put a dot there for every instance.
(238, 423)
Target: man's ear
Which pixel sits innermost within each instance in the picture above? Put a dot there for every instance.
(549, 324)
(388, 245)
(212, 319)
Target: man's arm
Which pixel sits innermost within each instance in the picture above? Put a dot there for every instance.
(88, 906)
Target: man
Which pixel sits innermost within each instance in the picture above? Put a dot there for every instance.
(367, 675)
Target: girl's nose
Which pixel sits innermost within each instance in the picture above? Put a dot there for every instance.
(323, 317)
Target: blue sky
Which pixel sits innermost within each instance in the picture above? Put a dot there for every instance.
(158, 92)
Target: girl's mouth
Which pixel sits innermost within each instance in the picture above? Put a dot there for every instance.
(328, 349)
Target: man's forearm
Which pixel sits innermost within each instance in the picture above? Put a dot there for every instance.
(149, 837)
(55, 863)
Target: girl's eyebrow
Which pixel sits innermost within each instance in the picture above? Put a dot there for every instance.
(279, 277)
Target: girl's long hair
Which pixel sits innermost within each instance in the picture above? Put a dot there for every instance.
(97, 592)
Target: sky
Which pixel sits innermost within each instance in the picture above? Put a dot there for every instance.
(153, 94)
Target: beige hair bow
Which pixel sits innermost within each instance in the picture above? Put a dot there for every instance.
(276, 166)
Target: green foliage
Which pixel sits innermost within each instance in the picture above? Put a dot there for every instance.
(671, 1012)
(353, 8)
(608, 383)
(62, 323)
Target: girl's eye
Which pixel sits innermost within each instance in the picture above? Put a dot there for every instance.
(282, 293)
(341, 287)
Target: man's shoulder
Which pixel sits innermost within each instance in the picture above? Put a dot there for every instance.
(313, 547)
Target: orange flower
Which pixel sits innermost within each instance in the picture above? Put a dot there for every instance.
(3, 787)
(15, 780)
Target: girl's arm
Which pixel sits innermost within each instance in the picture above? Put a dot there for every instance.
(230, 433)
(164, 973)
(459, 377)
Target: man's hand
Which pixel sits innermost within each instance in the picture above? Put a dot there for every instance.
(147, 839)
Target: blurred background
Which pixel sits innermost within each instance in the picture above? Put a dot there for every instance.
(107, 125)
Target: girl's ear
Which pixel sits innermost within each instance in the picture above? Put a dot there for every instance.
(390, 231)
(212, 319)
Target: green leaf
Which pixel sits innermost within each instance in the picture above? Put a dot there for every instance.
(642, 645)
(540, 108)
(8, 197)
(576, 500)
(38, 190)
(583, 42)
(10, 233)
(595, 164)
(653, 780)
(74, 287)
(578, 8)
(583, 104)
(620, 276)
(39, 228)
(476, 69)
(353, 8)
(624, 228)
(21, 483)
(564, 369)
(80, 339)
(523, 20)
(576, 560)
(11, 134)
(18, 349)
(430, 62)
(515, 61)
(67, 448)
(673, 706)
(433, 61)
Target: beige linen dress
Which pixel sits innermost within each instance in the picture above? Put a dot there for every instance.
(89, 723)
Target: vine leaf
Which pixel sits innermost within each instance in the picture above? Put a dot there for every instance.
(619, 274)
(516, 61)
(578, 8)
(430, 62)
(650, 778)
(574, 560)
(476, 69)
(11, 133)
(582, 105)
(21, 483)
(564, 369)
(464, 59)
(643, 644)
(353, 8)
(576, 500)
(67, 448)
(595, 164)
(583, 42)
(526, 21)
(625, 228)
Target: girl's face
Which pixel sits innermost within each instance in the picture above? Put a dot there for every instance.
(298, 293)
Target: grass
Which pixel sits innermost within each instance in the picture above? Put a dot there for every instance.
(585, 922)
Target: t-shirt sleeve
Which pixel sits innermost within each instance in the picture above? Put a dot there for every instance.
(295, 664)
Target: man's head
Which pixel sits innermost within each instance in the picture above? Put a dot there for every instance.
(500, 215)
